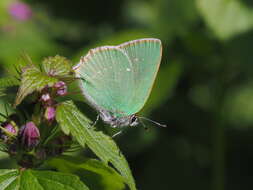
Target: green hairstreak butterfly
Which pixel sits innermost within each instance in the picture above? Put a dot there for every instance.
(117, 80)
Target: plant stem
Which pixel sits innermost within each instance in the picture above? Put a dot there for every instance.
(219, 155)
(219, 138)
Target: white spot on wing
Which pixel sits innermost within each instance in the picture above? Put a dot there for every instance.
(136, 59)
(128, 69)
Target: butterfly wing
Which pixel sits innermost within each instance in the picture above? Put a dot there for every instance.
(108, 79)
(145, 55)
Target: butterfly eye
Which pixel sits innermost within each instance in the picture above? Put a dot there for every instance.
(133, 119)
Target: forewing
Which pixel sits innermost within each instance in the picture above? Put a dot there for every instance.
(145, 55)
(106, 79)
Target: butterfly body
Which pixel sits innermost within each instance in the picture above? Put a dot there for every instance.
(117, 80)
(115, 121)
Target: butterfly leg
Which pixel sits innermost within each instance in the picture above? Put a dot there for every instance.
(116, 134)
(95, 122)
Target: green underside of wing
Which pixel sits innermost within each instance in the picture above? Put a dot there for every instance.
(107, 81)
(145, 56)
(119, 79)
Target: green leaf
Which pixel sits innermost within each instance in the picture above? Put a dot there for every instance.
(94, 173)
(39, 180)
(226, 18)
(57, 66)
(5, 109)
(8, 82)
(238, 106)
(49, 180)
(3, 146)
(2, 92)
(32, 80)
(66, 115)
(8, 179)
(73, 121)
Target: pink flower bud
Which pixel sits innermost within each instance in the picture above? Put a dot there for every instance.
(50, 113)
(61, 88)
(59, 84)
(62, 92)
(30, 135)
(20, 11)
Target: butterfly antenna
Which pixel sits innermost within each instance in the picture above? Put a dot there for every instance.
(159, 124)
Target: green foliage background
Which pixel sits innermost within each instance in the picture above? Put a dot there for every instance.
(204, 89)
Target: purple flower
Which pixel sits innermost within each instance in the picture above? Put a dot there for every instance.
(45, 97)
(20, 11)
(50, 113)
(61, 88)
(30, 135)
(10, 129)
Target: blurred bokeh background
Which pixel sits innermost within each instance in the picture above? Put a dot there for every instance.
(203, 92)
